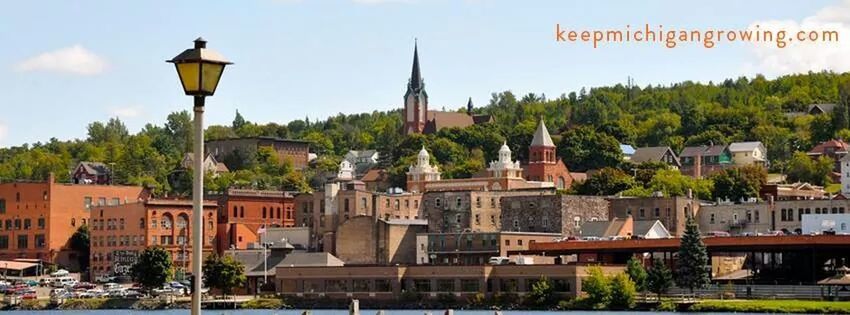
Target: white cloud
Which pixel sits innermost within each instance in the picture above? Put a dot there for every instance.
(798, 56)
(75, 59)
(126, 111)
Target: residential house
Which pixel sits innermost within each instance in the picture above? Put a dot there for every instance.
(748, 153)
(817, 109)
(835, 149)
(627, 150)
(362, 161)
(656, 154)
(699, 161)
(92, 173)
(211, 165)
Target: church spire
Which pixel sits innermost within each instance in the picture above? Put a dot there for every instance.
(541, 136)
(469, 106)
(415, 73)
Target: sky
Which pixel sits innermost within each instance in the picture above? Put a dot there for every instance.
(65, 64)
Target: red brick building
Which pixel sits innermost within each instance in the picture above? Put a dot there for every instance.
(242, 212)
(39, 218)
(120, 232)
(543, 164)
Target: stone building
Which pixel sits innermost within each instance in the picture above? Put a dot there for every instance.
(473, 210)
(761, 217)
(476, 248)
(671, 211)
(562, 214)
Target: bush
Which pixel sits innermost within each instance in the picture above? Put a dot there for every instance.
(506, 299)
(574, 304)
(477, 300)
(541, 293)
(411, 296)
(666, 306)
(622, 292)
(31, 305)
(264, 303)
(446, 299)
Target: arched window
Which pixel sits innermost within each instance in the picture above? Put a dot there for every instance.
(278, 213)
(235, 211)
(166, 221)
(182, 220)
(264, 212)
(561, 182)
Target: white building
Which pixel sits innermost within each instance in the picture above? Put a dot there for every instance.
(819, 223)
(845, 175)
(747, 153)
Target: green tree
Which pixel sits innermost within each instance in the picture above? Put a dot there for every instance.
(623, 292)
(637, 273)
(802, 168)
(583, 148)
(673, 183)
(692, 264)
(81, 243)
(152, 268)
(659, 279)
(223, 273)
(739, 183)
(541, 293)
(607, 181)
(597, 286)
(179, 128)
(238, 121)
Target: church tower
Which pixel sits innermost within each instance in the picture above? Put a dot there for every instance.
(415, 99)
(542, 149)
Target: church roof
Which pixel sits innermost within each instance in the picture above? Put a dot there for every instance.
(415, 73)
(542, 137)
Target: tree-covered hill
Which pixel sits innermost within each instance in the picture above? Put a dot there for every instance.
(590, 123)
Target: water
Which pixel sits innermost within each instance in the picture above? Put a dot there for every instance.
(326, 312)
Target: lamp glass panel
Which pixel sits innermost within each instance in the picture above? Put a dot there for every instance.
(189, 76)
(211, 75)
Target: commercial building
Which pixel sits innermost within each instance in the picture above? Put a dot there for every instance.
(560, 214)
(472, 210)
(762, 217)
(39, 218)
(826, 223)
(619, 228)
(671, 211)
(242, 212)
(388, 282)
(476, 248)
(296, 151)
(364, 241)
(795, 191)
(118, 233)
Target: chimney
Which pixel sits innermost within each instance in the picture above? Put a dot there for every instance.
(51, 178)
(698, 166)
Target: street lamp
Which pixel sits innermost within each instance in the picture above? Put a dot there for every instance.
(199, 69)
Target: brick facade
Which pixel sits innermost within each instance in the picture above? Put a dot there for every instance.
(242, 212)
(671, 211)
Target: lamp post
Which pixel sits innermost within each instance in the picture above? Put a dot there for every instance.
(199, 69)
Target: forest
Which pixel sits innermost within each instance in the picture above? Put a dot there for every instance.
(587, 125)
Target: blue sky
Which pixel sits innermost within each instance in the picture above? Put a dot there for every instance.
(64, 64)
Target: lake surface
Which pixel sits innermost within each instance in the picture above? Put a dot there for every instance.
(322, 312)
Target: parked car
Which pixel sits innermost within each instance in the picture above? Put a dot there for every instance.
(111, 286)
(31, 283)
(58, 292)
(84, 285)
(29, 296)
(61, 282)
(104, 279)
(166, 290)
(132, 294)
(717, 234)
(176, 285)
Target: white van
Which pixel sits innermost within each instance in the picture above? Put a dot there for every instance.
(61, 282)
(499, 260)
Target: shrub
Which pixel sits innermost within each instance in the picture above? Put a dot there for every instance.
(477, 300)
(264, 303)
(666, 306)
(411, 296)
(541, 293)
(446, 299)
(31, 305)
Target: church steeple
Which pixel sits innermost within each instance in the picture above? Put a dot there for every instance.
(416, 82)
(415, 99)
(469, 106)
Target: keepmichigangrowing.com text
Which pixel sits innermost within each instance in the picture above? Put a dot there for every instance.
(708, 38)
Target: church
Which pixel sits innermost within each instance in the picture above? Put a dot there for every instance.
(417, 117)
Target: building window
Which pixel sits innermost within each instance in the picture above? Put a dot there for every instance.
(2, 206)
(101, 201)
(438, 202)
(264, 212)
(236, 211)
(407, 203)
(711, 220)
(73, 222)
(18, 197)
(657, 212)
(114, 201)
(516, 225)
(642, 213)
(397, 204)
(507, 242)
(577, 221)
(478, 202)
(458, 202)
(22, 241)
(757, 216)
(41, 223)
(457, 218)
(4, 242)
(87, 202)
(241, 211)
(477, 219)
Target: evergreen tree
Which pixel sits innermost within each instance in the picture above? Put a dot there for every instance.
(659, 279)
(692, 264)
(81, 243)
(238, 121)
(622, 292)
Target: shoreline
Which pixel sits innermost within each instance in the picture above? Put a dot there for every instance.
(269, 303)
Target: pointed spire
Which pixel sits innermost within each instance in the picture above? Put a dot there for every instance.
(415, 74)
(469, 106)
(541, 136)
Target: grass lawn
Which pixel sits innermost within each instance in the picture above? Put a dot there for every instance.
(773, 306)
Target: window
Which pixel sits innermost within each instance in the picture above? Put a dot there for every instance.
(22, 241)
(114, 201)
(242, 211)
(657, 212)
(519, 242)
(18, 197)
(8, 225)
(264, 211)
(101, 201)
(757, 216)
(4, 242)
(2, 206)
(407, 204)
(27, 224)
(438, 202)
(415, 204)
(166, 222)
(41, 223)
(73, 222)
(516, 225)
(278, 213)
(843, 226)
(87, 202)
(236, 211)
(642, 213)
(445, 285)
(477, 219)
(153, 223)
(457, 218)
(711, 220)
(397, 204)
(458, 202)
(507, 242)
